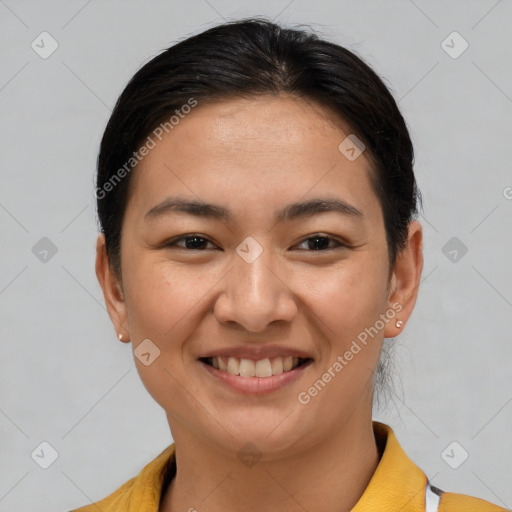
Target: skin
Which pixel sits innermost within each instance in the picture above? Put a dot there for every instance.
(255, 156)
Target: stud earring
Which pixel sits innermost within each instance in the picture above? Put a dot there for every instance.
(399, 323)
(120, 336)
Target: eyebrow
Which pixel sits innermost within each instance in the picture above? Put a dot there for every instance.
(291, 212)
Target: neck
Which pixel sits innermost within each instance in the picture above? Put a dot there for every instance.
(330, 476)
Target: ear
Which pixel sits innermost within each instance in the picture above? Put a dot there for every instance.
(112, 289)
(405, 280)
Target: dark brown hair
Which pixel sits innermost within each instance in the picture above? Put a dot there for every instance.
(246, 58)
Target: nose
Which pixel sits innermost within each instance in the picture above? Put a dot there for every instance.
(255, 295)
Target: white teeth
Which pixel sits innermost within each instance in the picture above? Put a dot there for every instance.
(263, 368)
(277, 365)
(246, 368)
(250, 368)
(287, 363)
(233, 366)
(222, 364)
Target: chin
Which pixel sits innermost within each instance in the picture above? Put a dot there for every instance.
(274, 433)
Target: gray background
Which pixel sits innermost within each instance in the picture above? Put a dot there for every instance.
(67, 380)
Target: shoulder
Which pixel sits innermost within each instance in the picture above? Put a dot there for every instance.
(451, 502)
(398, 479)
(139, 494)
(113, 502)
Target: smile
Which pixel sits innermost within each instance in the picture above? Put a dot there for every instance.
(261, 368)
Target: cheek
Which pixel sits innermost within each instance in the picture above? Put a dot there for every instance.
(163, 293)
(349, 302)
(164, 305)
(346, 298)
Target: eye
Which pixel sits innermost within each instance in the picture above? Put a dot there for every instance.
(196, 242)
(318, 242)
(193, 242)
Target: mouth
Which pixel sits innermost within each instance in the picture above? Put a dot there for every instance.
(261, 368)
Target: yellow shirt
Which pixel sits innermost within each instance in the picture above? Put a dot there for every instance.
(397, 484)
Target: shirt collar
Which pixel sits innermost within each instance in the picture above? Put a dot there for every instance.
(397, 483)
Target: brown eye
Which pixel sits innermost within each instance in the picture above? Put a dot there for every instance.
(321, 243)
(191, 242)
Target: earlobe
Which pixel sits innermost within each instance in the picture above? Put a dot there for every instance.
(111, 287)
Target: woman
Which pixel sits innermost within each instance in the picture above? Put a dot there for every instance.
(257, 203)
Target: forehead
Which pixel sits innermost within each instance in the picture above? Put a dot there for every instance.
(259, 151)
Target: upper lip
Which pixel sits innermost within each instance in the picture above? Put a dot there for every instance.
(257, 352)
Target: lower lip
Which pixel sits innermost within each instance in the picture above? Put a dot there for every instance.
(257, 385)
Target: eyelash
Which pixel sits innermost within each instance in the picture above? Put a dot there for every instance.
(173, 243)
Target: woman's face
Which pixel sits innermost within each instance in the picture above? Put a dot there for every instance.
(269, 276)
